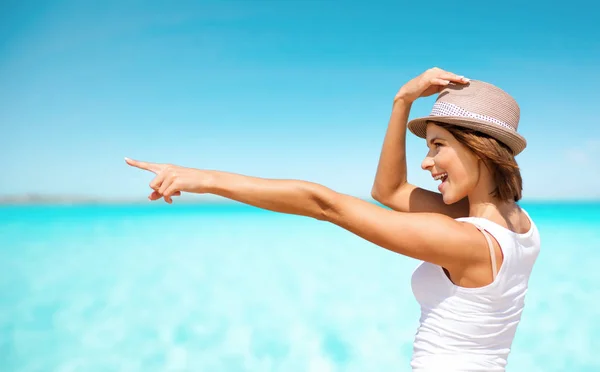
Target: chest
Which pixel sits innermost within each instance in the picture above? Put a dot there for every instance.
(430, 285)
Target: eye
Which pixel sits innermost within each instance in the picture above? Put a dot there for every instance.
(437, 144)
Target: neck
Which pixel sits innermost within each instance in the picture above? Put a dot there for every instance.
(489, 208)
(483, 204)
(502, 213)
(481, 201)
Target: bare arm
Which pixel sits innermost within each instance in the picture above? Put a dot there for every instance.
(430, 237)
(284, 196)
(391, 187)
(424, 236)
(391, 170)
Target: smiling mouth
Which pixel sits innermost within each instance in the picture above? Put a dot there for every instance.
(442, 176)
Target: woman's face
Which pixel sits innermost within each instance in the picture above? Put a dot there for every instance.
(450, 162)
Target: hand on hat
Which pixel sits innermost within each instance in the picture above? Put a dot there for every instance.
(171, 180)
(430, 82)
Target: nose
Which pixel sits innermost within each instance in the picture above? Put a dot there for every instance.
(427, 163)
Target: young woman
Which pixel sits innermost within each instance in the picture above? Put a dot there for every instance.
(477, 245)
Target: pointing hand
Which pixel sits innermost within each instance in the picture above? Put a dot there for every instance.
(170, 179)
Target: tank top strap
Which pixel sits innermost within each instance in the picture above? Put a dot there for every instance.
(487, 228)
(492, 251)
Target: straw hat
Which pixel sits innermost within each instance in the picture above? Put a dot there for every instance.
(477, 105)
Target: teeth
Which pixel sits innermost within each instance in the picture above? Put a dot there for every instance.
(440, 176)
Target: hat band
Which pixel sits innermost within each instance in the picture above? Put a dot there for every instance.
(449, 109)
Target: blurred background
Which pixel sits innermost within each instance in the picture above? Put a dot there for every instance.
(93, 277)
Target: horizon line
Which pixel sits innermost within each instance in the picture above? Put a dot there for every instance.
(206, 199)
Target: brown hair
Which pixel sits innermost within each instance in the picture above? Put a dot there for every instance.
(498, 157)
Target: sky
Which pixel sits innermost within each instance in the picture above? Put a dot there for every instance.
(288, 89)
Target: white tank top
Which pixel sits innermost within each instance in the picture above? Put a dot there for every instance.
(472, 329)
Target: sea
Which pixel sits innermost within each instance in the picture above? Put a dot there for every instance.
(229, 287)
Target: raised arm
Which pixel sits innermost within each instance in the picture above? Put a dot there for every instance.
(391, 187)
(391, 170)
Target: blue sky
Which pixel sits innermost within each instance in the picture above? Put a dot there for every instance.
(290, 89)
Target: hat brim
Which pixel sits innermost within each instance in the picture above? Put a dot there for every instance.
(512, 139)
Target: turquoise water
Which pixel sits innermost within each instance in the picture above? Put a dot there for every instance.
(233, 288)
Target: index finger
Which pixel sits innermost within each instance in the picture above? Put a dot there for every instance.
(152, 167)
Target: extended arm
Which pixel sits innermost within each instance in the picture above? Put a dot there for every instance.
(425, 236)
(284, 196)
(430, 237)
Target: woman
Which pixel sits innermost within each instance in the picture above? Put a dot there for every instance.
(477, 244)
